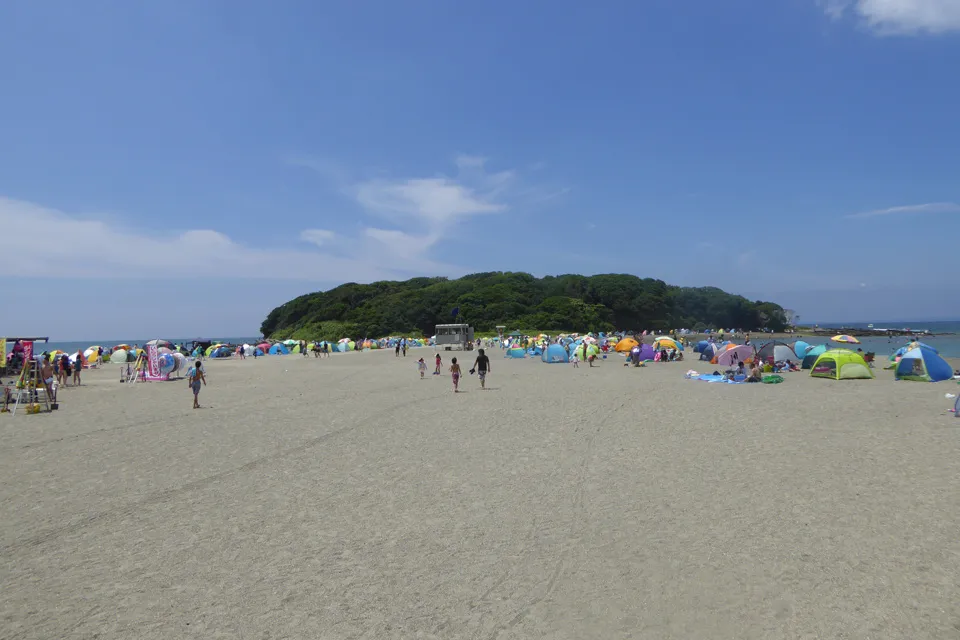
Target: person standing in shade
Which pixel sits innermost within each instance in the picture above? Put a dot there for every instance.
(482, 367)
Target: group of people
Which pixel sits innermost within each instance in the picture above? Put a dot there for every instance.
(481, 367)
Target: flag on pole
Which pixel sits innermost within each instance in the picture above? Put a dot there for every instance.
(455, 312)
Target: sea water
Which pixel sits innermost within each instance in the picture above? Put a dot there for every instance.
(947, 345)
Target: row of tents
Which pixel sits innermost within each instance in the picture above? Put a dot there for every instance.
(915, 361)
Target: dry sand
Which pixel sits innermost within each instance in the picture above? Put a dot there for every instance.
(346, 498)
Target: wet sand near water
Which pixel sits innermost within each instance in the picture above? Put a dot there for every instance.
(346, 498)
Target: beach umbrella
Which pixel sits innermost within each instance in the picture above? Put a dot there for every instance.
(125, 347)
(845, 339)
(264, 346)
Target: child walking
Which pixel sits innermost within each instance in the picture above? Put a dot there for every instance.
(422, 366)
(195, 377)
(455, 373)
(436, 371)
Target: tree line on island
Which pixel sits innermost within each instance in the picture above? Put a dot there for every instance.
(519, 301)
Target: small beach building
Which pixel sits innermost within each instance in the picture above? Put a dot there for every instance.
(923, 365)
(841, 364)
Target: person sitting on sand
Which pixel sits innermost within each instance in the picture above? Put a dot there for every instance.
(455, 374)
(756, 373)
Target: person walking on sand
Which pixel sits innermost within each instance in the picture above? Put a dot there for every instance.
(422, 366)
(396, 351)
(482, 367)
(436, 371)
(455, 374)
(196, 377)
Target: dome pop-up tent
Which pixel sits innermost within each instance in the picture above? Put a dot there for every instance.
(555, 353)
(739, 353)
(923, 365)
(841, 364)
(515, 352)
(625, 345)
(812, 354)
(777, 351)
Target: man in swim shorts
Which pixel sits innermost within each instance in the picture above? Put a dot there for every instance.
(482, 366)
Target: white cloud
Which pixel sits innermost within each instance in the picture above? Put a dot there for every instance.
(74, 247)
(900, 16)
(432, 200)
(319, 237)
(912, 209)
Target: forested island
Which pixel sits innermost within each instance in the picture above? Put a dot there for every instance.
(518, 300)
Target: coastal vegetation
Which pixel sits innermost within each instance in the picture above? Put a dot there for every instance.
(516, 300)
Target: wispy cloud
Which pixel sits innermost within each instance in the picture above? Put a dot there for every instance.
(912, 209)
(437, 203)
(899, 17)
(113, 250)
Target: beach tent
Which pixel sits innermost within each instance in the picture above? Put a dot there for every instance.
(812, 354)
(626, 345)
(700, 346)
(775, 352)
(800, 348)
(585, 350)
(841, 364)
(555, 353)
(642, 353)
(910, 347)
(515, 352)
(535, 350)
(710, 350)
(279, 350)
(739, 353)
(666, 342)
(923, 365)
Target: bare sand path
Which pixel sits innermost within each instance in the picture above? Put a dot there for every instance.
(345, 498)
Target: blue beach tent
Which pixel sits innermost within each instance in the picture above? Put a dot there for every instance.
(279, 350)
(923, 365)
(555, 353)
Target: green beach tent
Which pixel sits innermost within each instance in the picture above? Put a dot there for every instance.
(841, 364)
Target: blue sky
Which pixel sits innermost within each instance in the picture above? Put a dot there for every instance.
(179, 168)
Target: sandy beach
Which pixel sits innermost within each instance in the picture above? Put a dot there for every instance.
(346, 498)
